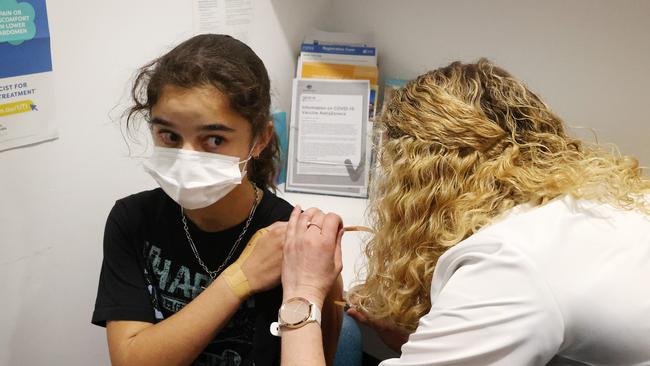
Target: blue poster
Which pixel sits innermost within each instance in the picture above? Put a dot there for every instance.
(25, 74)
(24, 38)
(280, 124)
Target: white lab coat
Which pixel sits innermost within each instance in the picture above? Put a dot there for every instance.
(567, 283)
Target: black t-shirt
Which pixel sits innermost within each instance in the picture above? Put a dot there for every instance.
(149, 272)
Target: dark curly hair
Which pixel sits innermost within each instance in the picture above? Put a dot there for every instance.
(222, 62)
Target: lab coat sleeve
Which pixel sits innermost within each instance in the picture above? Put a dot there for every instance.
(490, 306)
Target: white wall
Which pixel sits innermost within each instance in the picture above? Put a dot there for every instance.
(54, 197)
(589, 59)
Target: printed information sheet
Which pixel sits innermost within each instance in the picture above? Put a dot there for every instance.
(330, 133)
(232, 17)
(329, 147)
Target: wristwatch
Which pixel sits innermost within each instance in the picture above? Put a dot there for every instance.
(295, 313)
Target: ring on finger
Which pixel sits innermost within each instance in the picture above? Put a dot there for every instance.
(313, 224)
(309, 223)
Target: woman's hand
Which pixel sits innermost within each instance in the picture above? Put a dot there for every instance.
(261, 260)
(393, 336)
(312, 254)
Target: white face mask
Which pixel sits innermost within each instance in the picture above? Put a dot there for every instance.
(194, 179)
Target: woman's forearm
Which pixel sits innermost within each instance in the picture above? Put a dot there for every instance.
(332, 320)
(303, 346)
(179, 339)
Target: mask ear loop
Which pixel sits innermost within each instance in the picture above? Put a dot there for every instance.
(250, 156)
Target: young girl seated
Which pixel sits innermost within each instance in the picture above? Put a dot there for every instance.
(174, 288)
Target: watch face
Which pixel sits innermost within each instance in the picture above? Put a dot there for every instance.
(294, 312)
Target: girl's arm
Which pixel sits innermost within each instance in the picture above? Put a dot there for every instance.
(179, 339)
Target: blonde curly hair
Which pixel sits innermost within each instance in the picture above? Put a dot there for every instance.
(462, 144)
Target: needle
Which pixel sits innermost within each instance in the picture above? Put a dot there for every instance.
(358, 228)
(344, 304)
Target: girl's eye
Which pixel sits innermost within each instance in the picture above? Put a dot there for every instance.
(214, 141)
(169, 138)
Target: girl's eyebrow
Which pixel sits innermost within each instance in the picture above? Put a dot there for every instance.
(217, 127)
(208, 127)
(160, 121)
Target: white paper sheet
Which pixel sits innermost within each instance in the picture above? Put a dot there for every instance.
(232, 17)
(329, 147)
(26, 92)
(329, 130)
